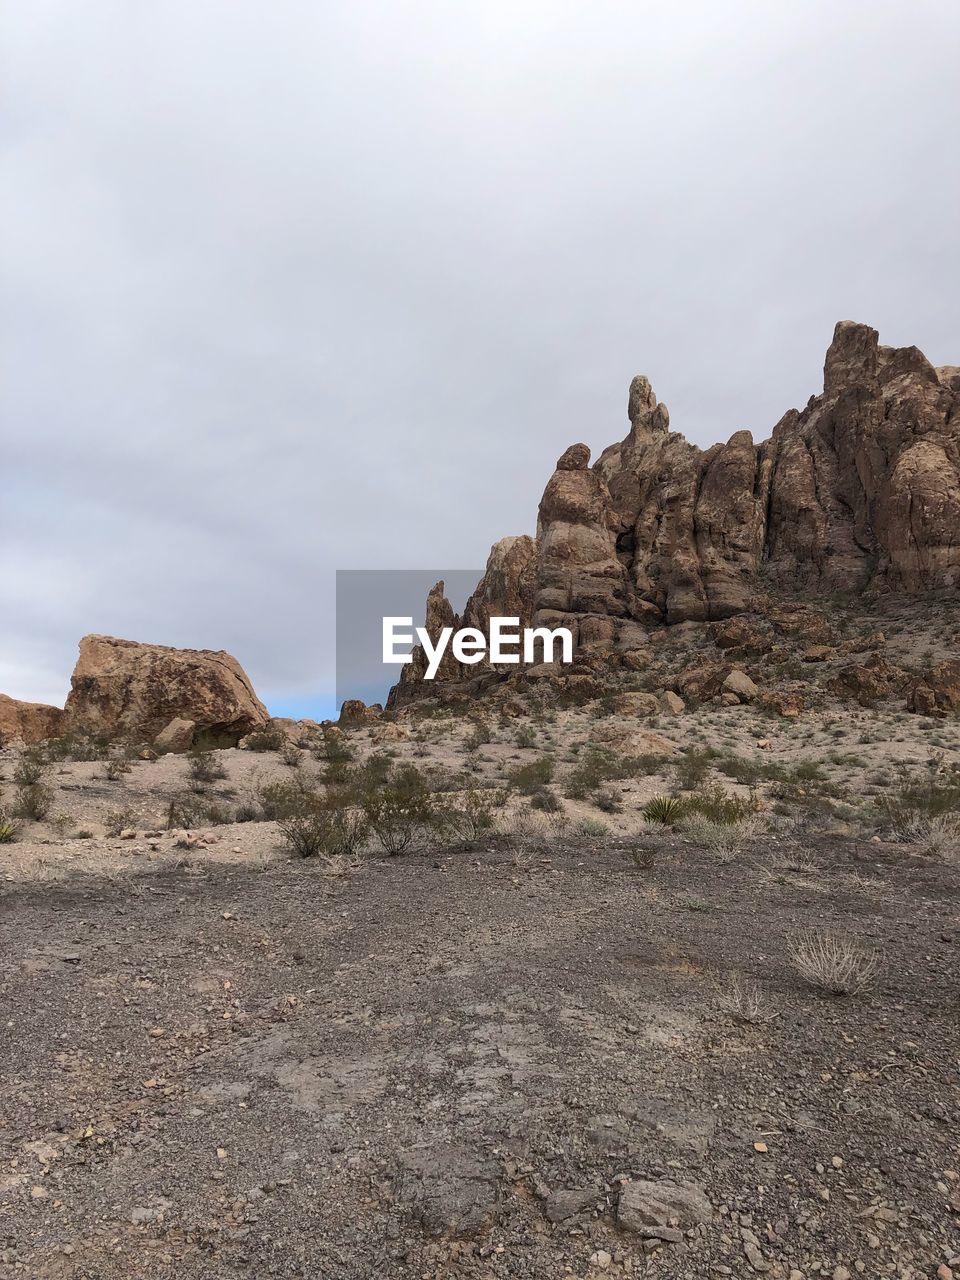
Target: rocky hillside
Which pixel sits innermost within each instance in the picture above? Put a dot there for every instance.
(858, 490)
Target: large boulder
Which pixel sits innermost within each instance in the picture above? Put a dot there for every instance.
(703, 680)
(120, 688)
(670, 703)
(176, 738)
(740, 685)
(743, 632)
(28, 722)
(866, 682)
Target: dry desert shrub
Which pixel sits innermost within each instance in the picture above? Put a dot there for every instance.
(937, 837)
(833, 963)
(742, 1000)
(204, 767)
(115, 767)
(33, 801)
(33, 796)
(527, 830)
(794, 858)
(546, 801)
(336, 834)
(718, 837)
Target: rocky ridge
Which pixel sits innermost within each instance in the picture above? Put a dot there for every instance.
(859, 491)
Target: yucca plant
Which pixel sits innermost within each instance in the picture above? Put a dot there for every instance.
(8, 829)
(664, 809)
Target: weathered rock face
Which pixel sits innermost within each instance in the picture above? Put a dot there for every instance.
(869, 681)
(939, 691)
(121, 688)
(861, 487)
(866, 480)
(506, 589)
(28, 722)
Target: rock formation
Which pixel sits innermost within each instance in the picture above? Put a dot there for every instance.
(506, 590)
(121, 688)
(27, 722)
(860, 489)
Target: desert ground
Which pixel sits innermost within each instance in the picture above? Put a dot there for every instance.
(565, 1034)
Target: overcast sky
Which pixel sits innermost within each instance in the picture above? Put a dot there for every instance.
(295, 285)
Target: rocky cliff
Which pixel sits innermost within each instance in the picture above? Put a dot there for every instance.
(860, 489)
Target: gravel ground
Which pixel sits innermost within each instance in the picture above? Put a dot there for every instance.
(218, 1068)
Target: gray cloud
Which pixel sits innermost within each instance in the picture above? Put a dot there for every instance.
(293, 287)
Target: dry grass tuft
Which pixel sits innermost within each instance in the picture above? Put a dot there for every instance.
(937, 837)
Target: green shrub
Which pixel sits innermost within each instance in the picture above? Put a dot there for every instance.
(591, 827)
(597, 766)
(374, 771)
(401, 810)
(203, 766)
(719, 806)
(33, 801)
(333, 831)
(335, 748)
(478, 812)
(189, 810)
(478, 736)
(9, 829)
(932, 793)
(530, 777)
(808, 771)
(269, 738)
(284, 797)
(30, 769)
(78, 746)
(526, 737)
(545, 800)
(691, 769)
